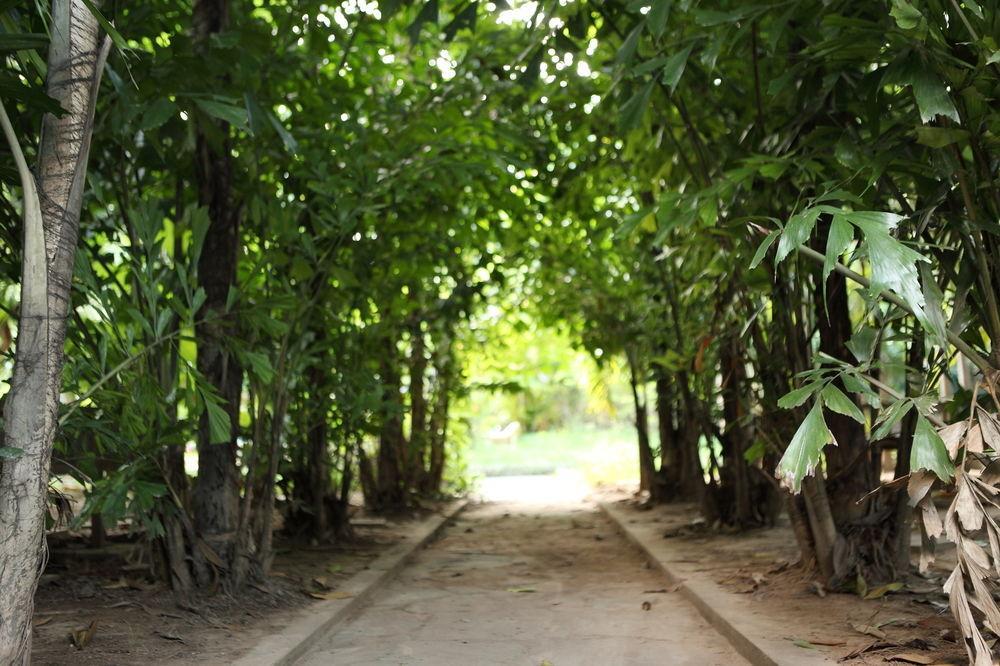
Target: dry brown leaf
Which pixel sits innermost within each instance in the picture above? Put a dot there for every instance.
(990, 428)
(81, 637)
(170, 637)
(41, 621)
(952, 436)
(931, 518)
(868, 629)
(974, 440)
(969, 512)
(918, 485)
(320, 581)
(330, 596)
(911, 658)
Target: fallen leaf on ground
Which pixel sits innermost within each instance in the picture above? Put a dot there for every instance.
(320, 581)
(803, 644)
(882, 590)
(827, 641)
(868, 629)
(911, 658)
(81, 637)
(330, 596)
(871, 647)
(38, 622)
(520, 590)
(169, 637)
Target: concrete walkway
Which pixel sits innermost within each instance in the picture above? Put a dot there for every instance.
(530, 579)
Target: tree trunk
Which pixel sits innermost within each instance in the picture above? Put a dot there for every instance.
(669, 438)
(390, 491)
(215, 499)
(848, 465)
(319, 473)
(444, 369)
(416, 463)
(647, 464)
(739, 508)
(52, 201)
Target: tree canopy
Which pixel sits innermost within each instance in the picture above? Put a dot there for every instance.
(781, 217)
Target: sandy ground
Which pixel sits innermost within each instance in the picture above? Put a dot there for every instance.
(534, 576)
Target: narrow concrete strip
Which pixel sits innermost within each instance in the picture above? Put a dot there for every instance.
(314, 622)
(754, 637)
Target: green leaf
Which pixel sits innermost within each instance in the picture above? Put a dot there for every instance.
(291, 145)
(23, 41)
(755, 452)
(464, 19)
(803, 453)
(657, 17)
(929, 451)
(933, 319)
(939, 137)
(632, 111)
(764, 247)
(894, 265)
(796, 397)
(907, 16)
(10, 452)
(836, 401)
(260, 364)
(428, 14)
(232, 114)
(932, 97)
(796, 232)
(837, 241)
(628, 47)
(219, 426)
(862, 343)
(890, 417)
(116, 37)
(674, 68)
(158, 113)
(632, 221)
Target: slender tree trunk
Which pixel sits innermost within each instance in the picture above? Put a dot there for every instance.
(265, 549)
(416, 463)
(438, 428)
(319, 470)
(736, 479)
(647, 464)
(390, 488)
(215, 499)
(53, 198)
(670, 454)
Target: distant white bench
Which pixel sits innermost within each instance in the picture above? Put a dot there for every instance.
(508, 434)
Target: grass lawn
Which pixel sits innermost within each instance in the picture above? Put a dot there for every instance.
(603, 455)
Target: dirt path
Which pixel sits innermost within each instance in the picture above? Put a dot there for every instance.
(515, 583)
